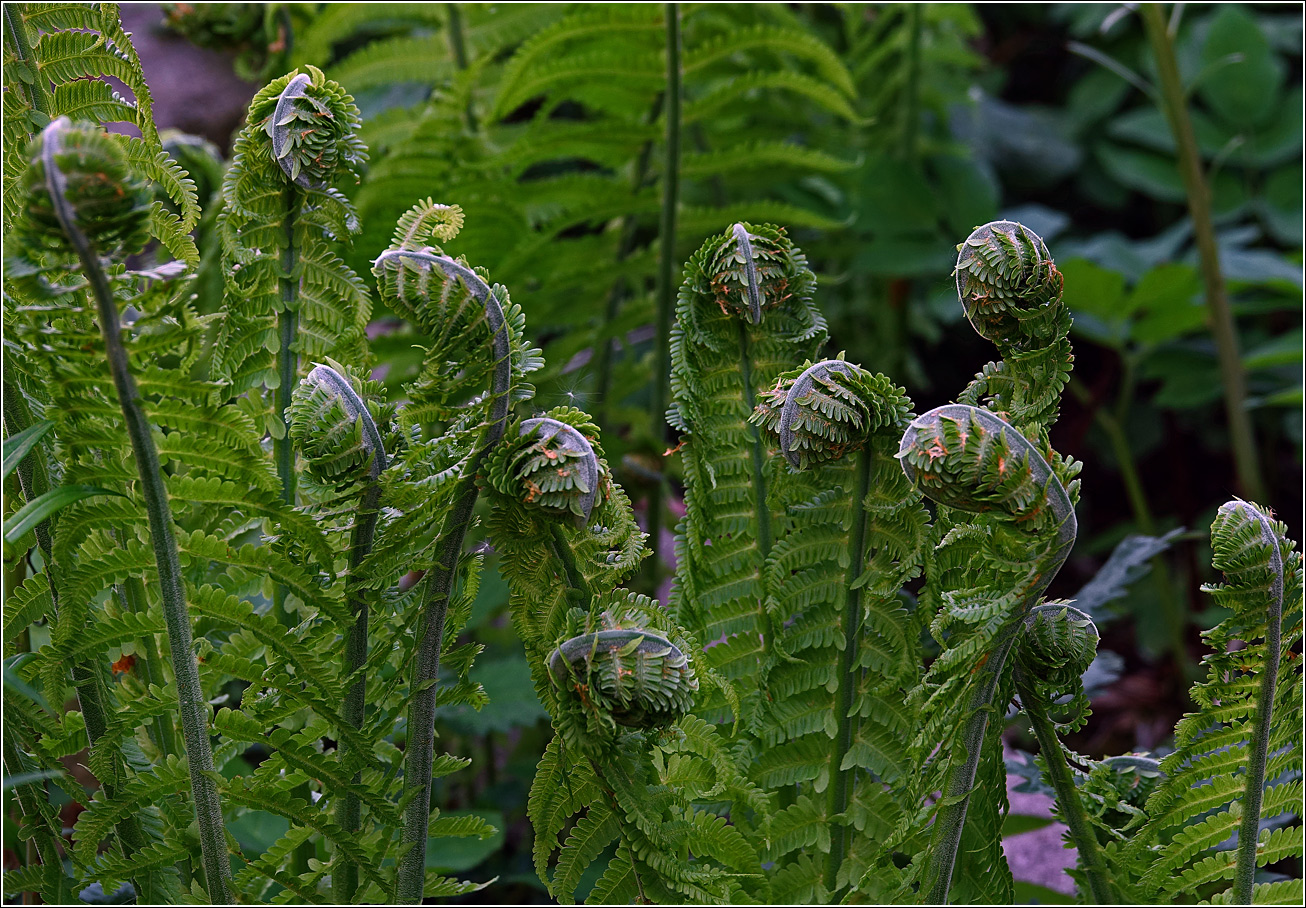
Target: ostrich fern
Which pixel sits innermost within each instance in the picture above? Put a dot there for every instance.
(774, 732)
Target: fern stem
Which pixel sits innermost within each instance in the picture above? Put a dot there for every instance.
(665, 281)
(1068, 800)
(847, 675)
(418, 758)
(287, 360)
(190, 696)
(349, 808)
(961, 780)
(1259, 751)
(20, 41)
(760, 507)
(354, 709)
(562, 550)
(1219, 316)
(458, 47)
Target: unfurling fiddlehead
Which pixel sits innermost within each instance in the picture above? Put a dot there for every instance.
(1011, 292)
(341, 445)
(116, 213)
(968, 458)
(624, 673)
(840, 425)
(443, 295)
(1054, 649)
(287, 290)
(560, 470)
(1236, 763)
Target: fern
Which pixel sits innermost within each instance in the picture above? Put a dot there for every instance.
(1236, 763)
(610, 667)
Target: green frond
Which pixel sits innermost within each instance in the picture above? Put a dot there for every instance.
(1234, 760)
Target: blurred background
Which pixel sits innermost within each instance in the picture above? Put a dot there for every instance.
(880, 135)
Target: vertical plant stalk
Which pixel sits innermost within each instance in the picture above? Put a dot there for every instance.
(847, 675)
(419, 755)
(1220, 316)
(1068, 800)
(1258, 753)
(283, 451)
(348, 812)
(190, 697)
(942, 451)
(666, 286)
(458, 48)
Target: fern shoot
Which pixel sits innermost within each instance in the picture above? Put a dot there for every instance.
(115, 217)
(435, 287)
(1236, 763)
(287, 291)
(342, 445)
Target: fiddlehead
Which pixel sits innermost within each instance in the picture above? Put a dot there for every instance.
(744, 316)
(1055, 647)
(1236, 758)
(624, 673)
(70, 213)
(969, 459)
(1011, 292)
(342, 445)
(852, 535)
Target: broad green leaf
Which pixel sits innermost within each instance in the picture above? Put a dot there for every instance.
(17, 446)
(40, 508)
(1244, 93)
(1168, 302)
(1280, 351)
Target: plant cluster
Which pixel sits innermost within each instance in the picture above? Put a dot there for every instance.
(281, 552)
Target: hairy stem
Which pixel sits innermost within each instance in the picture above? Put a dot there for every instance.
(951, 818)
(1068, 800)
(190, 697)
(1219, 315)
(841, 780)
(435, 598)
(666, 288)
(283, 450)
(458, 48)
(1259, 750)
(760, 507)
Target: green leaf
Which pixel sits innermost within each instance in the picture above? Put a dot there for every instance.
(39, 509)
(461, 839)
(1167, 297)
(1016, 823)
(17, 446)
(1284, 350)
(1246, 92)
(1098, 293)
